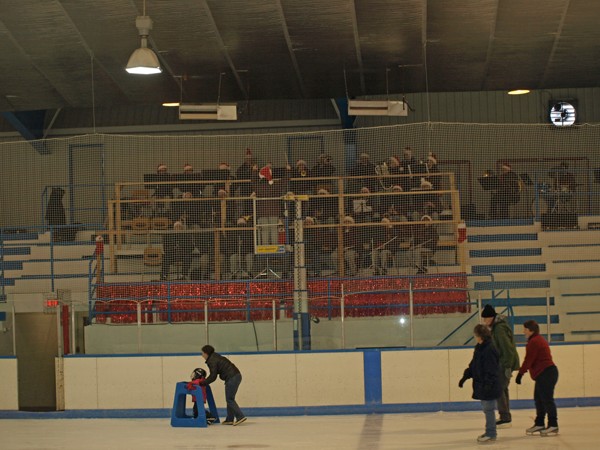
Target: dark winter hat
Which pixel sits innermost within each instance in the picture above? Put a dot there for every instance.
(488, 311)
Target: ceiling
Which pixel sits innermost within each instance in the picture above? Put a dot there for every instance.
(54, 51)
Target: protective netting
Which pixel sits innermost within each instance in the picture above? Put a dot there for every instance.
(344, 208)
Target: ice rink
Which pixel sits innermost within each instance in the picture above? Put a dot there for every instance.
(444, 430)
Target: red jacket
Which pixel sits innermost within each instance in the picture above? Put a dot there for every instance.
(537, 356)
(191, 386)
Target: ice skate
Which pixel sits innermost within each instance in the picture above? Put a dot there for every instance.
(534, 430)
(485, 438)
(550, 431)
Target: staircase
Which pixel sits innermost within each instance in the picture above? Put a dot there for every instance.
(512, 254)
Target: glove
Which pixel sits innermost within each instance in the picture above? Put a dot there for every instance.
(461, 382)
(518, 379)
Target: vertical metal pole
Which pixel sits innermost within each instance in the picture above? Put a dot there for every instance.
(139, 326)
(59, 331)
(73, 331)
(14, 329)
(548, 315)
(274, 325)
(342, 316)
(479, 306)
(411, 313)
(206, 321)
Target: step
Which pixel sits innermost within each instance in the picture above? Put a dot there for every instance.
(504, 268)
(517, 301)
(579, 253)
(505, 245)
(19, 237)
(10, 265)
(486, 223)
(554, 337)
(14, 251)
(509, 284)
(569, 237)
(540, 319)
(503, 237)
(508, 252)
(578, 268)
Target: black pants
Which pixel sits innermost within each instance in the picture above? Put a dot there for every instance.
(544, 397)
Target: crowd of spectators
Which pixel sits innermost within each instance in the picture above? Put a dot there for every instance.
(218, 217)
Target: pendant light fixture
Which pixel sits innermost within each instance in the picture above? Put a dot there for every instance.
(143, 61)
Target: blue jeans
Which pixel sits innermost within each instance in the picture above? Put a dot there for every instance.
(489, 409)
(231, 388)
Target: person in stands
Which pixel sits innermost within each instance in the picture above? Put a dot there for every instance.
(323, 168)
(244, 188)
(364, 168)
(424, 244)
(483, 369)
(177, 247)
(298, 185)
(242, 250)
(221, 367)
(268, 210)
(508, 193)
(538, 362)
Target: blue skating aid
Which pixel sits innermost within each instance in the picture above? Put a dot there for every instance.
(179, 418)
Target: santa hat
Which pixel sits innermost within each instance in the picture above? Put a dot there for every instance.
(426, 184)
(397, 188)
(301, 162)
(248, 152)
(395, 160)
(267, 174)
(506, 166)
(322, 191)
(223, 166)
(242, 221)
(348, 219)
(161, 167)
(432, 157)
(187, 167)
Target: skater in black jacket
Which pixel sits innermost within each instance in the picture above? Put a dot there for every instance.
(484, 369)
(228, 372)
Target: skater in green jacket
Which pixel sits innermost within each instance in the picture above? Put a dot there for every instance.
(503, 339)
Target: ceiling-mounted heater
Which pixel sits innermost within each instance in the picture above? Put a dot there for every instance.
(206, 111)
(377, 108)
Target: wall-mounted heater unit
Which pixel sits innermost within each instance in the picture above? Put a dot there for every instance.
(222, 111)
(377, 108)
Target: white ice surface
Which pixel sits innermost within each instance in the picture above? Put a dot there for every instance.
(579, 429)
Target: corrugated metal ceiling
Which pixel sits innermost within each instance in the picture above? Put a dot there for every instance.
(282, 49)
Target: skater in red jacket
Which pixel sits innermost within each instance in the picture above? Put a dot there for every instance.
(538, 361)
(198, 376)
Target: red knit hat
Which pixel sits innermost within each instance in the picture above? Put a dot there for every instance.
(267, 174)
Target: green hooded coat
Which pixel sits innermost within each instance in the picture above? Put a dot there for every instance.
(502, 336)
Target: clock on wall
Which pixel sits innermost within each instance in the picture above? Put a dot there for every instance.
(562, 113)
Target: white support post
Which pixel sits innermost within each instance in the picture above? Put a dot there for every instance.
(274, 308)
(342, 317)
(139, 326)
(205, 322)
(411, 312)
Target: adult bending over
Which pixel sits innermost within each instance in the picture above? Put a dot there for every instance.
(228, 372)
